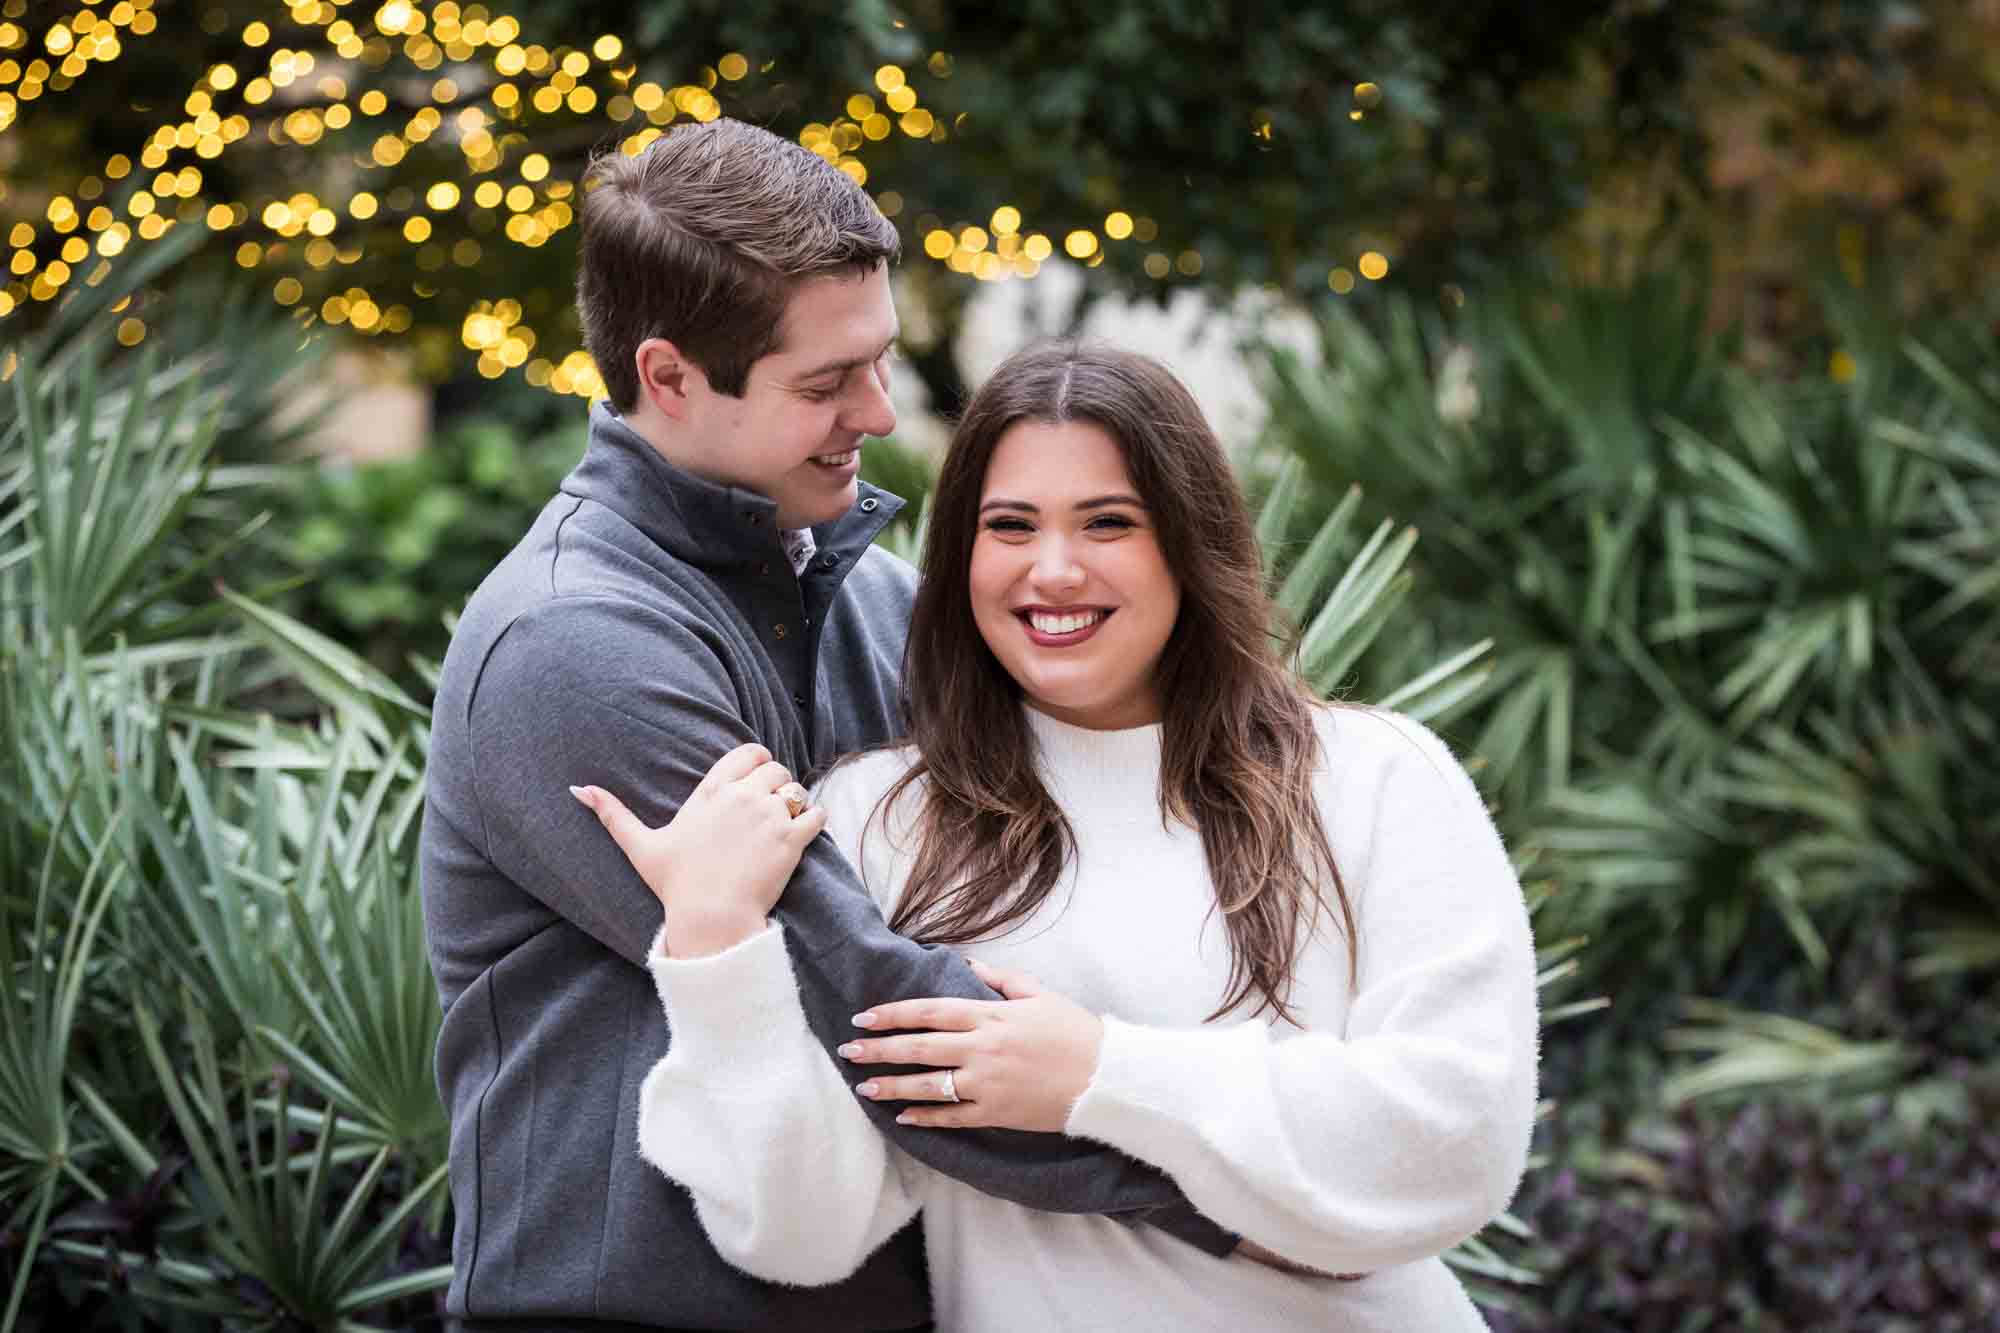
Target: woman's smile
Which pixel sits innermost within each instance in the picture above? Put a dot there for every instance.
(1062, 627)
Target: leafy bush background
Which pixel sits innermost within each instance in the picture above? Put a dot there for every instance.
(1739, 720)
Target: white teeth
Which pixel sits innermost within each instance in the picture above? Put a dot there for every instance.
(1063, 624)
(836, 460)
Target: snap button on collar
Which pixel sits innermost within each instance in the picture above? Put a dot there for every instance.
(869, 505)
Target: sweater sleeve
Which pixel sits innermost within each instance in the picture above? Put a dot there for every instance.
(790, 1180)
(1393, 1140)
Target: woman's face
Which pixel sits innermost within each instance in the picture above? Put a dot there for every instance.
(1069, 586)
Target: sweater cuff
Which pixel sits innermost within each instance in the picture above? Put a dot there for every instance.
(713, 1001)
(1152, 1086)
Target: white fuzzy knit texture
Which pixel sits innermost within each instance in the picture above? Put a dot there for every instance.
(1391, 1124)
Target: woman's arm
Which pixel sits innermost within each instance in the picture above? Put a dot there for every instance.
(790, 1180)
(1410, 1132)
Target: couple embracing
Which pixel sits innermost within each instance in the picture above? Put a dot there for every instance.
(1250, 1035)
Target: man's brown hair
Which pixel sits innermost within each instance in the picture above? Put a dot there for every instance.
(701, 239)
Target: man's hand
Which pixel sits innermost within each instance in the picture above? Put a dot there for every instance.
(1250, 1249)
(719, 866)
(1017, 1063)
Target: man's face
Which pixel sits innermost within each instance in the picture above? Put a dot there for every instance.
(795, 434)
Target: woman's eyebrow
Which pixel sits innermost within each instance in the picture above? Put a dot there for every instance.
(1095, 502)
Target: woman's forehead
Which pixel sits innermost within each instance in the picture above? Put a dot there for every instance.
(1057, 459)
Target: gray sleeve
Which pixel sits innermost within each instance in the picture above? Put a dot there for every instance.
(599, 691)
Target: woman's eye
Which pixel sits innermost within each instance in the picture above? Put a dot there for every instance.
(1007, 525)
(1111, 523)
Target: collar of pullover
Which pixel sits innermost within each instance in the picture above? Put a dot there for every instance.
(704, 523)
(1107, 776)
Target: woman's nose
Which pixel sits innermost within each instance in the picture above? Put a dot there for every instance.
(1056, 565)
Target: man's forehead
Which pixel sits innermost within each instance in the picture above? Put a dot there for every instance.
(835, 319)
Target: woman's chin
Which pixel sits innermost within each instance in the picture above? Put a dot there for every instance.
(1092, 712)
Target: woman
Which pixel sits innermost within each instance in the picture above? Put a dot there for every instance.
(1272, 947)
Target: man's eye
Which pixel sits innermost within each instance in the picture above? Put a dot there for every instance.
(818, 395)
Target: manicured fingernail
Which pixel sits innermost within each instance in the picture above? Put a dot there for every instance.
(864, 1020)
(849, 1051)
(867, 1089)
(581, 794)
(904, 1119)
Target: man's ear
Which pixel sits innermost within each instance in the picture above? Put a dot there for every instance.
(667, 379)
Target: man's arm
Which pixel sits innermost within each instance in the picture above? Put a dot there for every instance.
(597, 691)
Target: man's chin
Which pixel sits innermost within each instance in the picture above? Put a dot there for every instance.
(819, 509)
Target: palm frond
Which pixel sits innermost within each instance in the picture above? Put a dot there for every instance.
(1742, 1052)
(261, 1221)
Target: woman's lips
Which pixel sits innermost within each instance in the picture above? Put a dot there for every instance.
(1053, 631)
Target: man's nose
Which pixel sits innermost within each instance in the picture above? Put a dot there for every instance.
(869, 410)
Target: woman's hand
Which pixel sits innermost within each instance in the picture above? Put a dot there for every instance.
(719, 866)
(1017, 1063)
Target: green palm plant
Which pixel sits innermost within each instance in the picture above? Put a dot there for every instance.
(1963, 553)
(1740, 1051)
(1525, 441)
(44, 966)
(361, 979)
(1672, 562)
(262, 1222)
(1796, 563)
(170, 848)
(1338, 592)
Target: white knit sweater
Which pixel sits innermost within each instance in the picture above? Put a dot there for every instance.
(1393, 1125)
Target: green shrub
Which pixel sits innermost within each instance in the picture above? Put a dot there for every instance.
(390, 548)
(217, 1105)
(1741, 688)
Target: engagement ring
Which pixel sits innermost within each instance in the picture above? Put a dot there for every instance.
(796, 798)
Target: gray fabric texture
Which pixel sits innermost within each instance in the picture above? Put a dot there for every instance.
(648, 623)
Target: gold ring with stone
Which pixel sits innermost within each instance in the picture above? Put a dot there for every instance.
(796, 798)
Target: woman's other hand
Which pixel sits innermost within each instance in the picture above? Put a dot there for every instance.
(1016, 1063)
(719, 866)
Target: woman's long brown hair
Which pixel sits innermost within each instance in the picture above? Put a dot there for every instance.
(1238, 746)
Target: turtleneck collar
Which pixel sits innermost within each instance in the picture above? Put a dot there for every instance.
(704, 523)
(1099, 776)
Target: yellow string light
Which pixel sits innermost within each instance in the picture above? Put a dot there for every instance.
(75, 43)
(425, 37)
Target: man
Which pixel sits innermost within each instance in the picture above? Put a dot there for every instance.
(704, 578)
